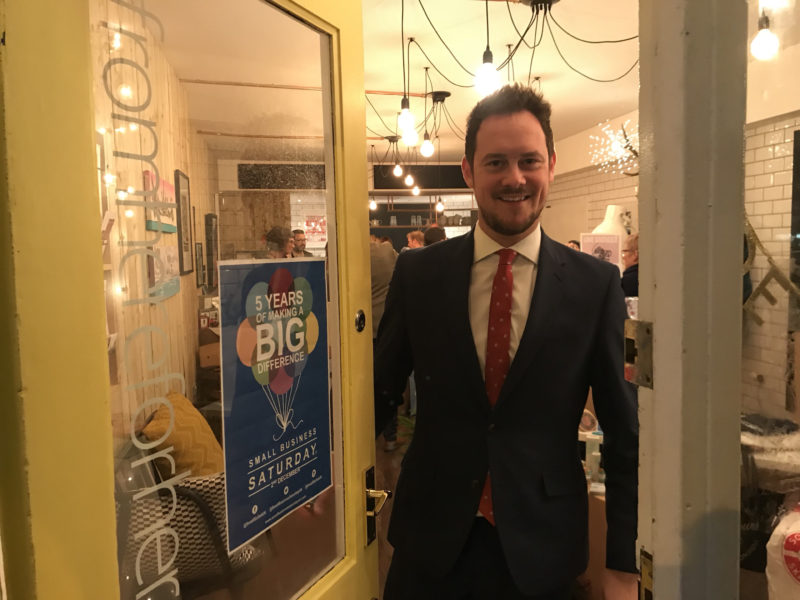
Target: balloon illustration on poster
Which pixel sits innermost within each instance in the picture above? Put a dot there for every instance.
(276, 338)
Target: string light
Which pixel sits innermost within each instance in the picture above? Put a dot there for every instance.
(109, 179)
(125, 91)
(615, 151)
(372, 204)
(398, 170)
(409, 180)
(440, 205)
(415, 190)
(116, 42)
(129, 213)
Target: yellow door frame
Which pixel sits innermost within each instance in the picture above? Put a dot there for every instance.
(57, 518)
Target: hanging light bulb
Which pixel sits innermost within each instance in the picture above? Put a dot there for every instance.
(487, 79)
(765, 45)
(440, 206)
(426, 149)
(409, 180)
(405, 120)
(415, 190)
(398, 170)
(372, 204)
(410, 137)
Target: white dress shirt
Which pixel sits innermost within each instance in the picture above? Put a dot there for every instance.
(484, 267)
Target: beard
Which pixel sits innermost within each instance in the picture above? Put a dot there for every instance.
(507, 227)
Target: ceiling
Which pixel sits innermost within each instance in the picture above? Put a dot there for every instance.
(578, 103)
(253, 75)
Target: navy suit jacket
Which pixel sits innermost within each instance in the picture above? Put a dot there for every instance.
(573, 341)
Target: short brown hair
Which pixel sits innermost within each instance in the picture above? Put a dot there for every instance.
(417, 236)
(508, 100)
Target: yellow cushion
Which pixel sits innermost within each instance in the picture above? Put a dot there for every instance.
(194, 446)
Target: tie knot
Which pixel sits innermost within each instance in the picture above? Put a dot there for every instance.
(506, 256)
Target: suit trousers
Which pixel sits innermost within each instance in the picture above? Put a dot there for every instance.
(480, 573)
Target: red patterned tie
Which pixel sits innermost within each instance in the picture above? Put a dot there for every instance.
(497, 342)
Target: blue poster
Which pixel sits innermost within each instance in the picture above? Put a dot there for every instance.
(275, 398)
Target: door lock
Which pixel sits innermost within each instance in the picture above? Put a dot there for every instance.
(375, 501)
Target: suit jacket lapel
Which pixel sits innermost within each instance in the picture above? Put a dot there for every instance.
(455, 296)
(547, 294)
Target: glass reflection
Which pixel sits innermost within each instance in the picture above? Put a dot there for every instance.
(770, 521)
(204, 152)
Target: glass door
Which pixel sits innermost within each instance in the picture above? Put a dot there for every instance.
(219, 142)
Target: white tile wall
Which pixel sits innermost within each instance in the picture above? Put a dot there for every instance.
(768, 204)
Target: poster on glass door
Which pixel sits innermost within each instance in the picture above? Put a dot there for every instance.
(275, 397)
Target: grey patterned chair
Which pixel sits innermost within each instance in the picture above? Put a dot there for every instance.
(202, 561)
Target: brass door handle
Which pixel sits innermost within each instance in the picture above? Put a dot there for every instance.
(379, 497)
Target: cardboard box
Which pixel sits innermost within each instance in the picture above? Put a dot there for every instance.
(208, 355)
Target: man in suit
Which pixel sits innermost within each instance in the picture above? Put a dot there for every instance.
(506, 331)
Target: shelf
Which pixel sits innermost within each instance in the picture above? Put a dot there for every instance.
(398, 226)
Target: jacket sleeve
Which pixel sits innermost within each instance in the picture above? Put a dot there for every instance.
(615, 402)
(393, 361)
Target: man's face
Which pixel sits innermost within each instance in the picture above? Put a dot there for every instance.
(510, 175)
(412, 243)
(299, 242)
(630, 255)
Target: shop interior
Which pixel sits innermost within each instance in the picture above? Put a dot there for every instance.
(216, 152)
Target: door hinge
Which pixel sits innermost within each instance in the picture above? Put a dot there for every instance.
(646, 580)
(639, 352)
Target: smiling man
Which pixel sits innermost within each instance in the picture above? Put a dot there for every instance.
(506, 331)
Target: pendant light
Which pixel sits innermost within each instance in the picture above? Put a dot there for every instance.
(487, 79)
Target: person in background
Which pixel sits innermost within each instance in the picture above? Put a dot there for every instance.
(280, 243)
(434, 234)
(299, 237)
(382, 257)
(574, 244)
(416, 239)
(491, 501)
(630, 260)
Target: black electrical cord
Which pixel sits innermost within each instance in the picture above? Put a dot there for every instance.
(547, 21)
(521, 38)
(514, 23)
(403, 41)
(535, 45)
(438, 70)
(470, 73)
(377, 113)
(373, 132)
(628, 39)
(486, 3)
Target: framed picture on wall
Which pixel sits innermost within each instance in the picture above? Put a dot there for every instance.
(212, 249)
(184, 202)
(200, 274)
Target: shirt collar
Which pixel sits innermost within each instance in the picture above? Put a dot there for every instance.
(528, 246)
